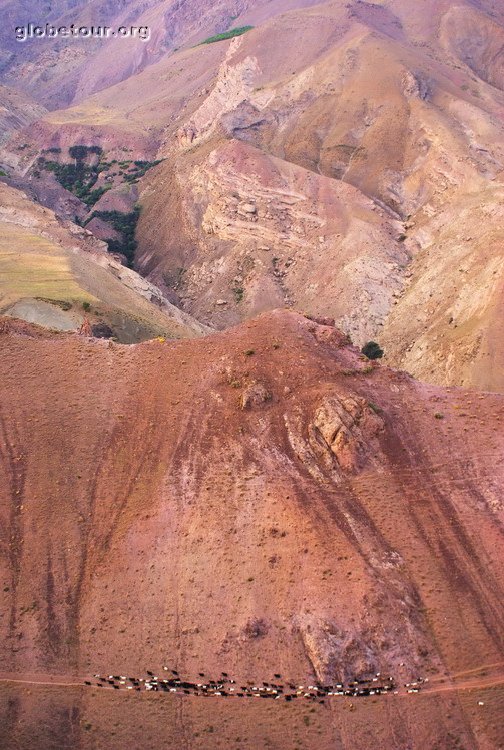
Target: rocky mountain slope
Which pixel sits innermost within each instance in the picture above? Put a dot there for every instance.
(344, 159)
(57, 74)
(75, 718)
(16, 111)
(350, 524)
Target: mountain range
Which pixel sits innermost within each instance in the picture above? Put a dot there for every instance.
(199, 232)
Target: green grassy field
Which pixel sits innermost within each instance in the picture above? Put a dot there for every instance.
(227, 35)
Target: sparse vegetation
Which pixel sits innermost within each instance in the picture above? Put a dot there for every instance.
(372, 350)
(61, 303)
(374, 407)
(174, 280)
(140, 169)
(227, 35)
(238, 292)
(256, 628)
(93, 196)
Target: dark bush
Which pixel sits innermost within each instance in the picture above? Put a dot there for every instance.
(102, 331)
(80, 152)
(372, 350)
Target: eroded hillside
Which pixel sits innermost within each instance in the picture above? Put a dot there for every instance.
(342, 506)
(351, 523)
(58, 275)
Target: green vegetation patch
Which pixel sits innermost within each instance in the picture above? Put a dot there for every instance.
(125, 224)
(227, 35)
(238, 292)
(374, 407)
(79, 176)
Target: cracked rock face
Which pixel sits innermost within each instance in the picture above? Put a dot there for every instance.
(346, 427)
(254, 394)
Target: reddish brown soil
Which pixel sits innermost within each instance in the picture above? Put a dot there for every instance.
(77, 719)
(262, 500)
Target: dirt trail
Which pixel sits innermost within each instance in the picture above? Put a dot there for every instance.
(47, 680)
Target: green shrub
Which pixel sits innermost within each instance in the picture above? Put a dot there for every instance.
(372, 350)
(140, 169)
(93, 196)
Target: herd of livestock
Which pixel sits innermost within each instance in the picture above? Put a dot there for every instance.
(169, 681)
